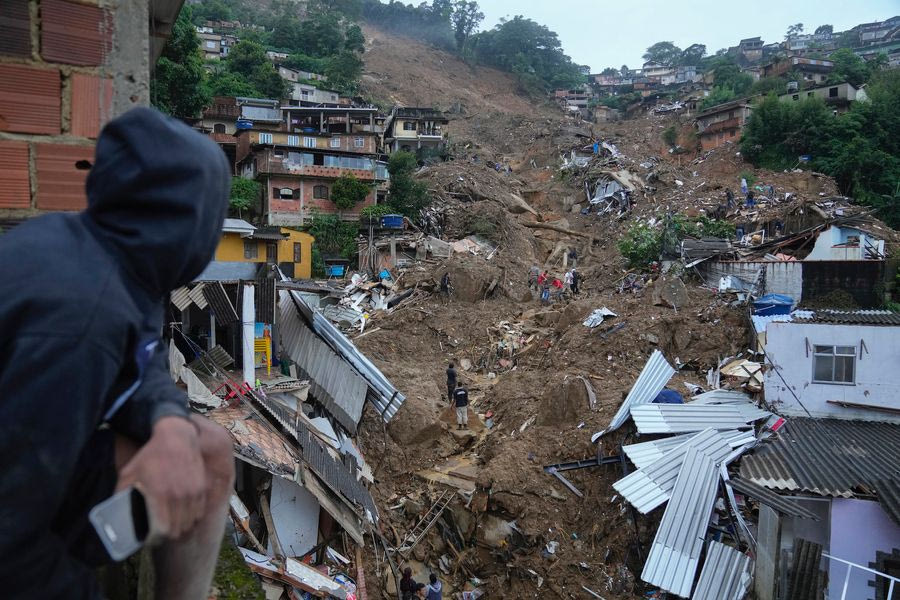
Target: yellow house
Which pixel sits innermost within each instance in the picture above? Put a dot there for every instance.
(291, 250)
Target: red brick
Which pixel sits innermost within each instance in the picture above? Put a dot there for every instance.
(60, 186)
(29, 99)
(15, 28)
(74, 34)
(15, 189)
(91, 104)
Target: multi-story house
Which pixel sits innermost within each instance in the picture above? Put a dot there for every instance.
(811, 70)
(722, 123)
(867, 34)
(839, 96)
(299, 163)
(411, 129)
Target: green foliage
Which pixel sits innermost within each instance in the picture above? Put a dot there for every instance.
(244, 194)
(177, 85)
(211, 10)
(749, 177)
(343, 72)
(796, 29)
(407, 196)
(609, 72)
(375, 211)
(719, 95)
(334, 237)
(354, 40)
(306, 63)
(482, 226)
(465, 18)
(692, 55)
(663, 53)
(824, 29)
(670, 136)
(347, 191)
(428, 23)
(226, 83)
(848, 67)
(641, 245)
(702, 226)
(621, 101)
(769, 84)
(860, 149)
(247, 68)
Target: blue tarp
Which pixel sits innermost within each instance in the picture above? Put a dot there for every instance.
(668, 396)
(773, 304)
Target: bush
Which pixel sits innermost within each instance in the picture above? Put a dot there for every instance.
(348, 191)
(641, 245)
(376, 211)
(670, 136)
(244, 193)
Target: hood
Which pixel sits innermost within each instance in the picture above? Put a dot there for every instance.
(436, 586)
(157, 195)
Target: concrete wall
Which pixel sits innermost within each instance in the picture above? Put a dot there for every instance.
(830, 245)
(859, 529)
(296, 212)
(876, 376)
(231, 249)
(781, 277)
(66, 68)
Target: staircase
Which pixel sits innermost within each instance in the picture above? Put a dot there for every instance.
(417, 533)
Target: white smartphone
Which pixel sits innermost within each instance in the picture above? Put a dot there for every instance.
(121, 523)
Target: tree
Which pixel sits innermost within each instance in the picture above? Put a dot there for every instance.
(609, 72)
(354, 39)
(718, 95)
(848, 67)
(343, 71)
(821, 29)
(347, 191)
(692, 55)
(624, 70)
(248, 64)
(211, 10)
(663, 53)
(288, 34)
(793, 30)
(408, 196)
(177, 87)
(321, 34)
(228, 83)
(244, 194)
(465, 19)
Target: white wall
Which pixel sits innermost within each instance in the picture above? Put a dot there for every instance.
(859, 529)
(782, 276)
(877, 373)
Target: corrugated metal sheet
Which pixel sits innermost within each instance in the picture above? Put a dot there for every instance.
(726, 574)
(220, 303)
(264, 300)
(181, 298)
(650, 487)
(769, 498)
(196, 294)
(888, 491)
(644, 453)
(721, 397)
(807, 580)
(761, 321)
(225, 271)
(831, 457)
(334, 383)
(680, 418)
(675, 553)
(852, 317)
(653, 378)
(342, 315)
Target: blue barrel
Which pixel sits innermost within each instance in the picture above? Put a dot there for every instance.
(244, 124)
(392, 222)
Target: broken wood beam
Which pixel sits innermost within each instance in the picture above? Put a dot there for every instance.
(270, 526)
(556, 228)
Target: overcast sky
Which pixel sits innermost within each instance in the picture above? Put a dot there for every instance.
(607, 33)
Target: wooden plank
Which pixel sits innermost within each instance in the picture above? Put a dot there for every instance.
(270, 526)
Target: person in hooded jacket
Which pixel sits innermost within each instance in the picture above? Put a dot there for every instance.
(88, 406)
(434, 589)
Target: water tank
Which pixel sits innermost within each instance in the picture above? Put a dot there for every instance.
(244, 124)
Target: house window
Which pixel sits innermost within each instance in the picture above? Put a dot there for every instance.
(298, 252)
(320, 192)
(293, 140)
(832, 92)
(359, 142)
(285, 194)
(336, 142)
(211, 45)
(278, 153)
(309, 142)
(834, 364)
(251, 249)
(265, 138)
(409, 126)
(219, 128)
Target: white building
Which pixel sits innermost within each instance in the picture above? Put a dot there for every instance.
(835, 364)
(846, 243)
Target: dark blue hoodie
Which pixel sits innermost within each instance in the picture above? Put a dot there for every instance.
(82, 302)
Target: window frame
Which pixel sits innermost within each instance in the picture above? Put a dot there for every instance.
(332, 144)
(359, 142)
(309, 141)
(317, 194)
(293, 140)
(833, 352)
(409, 126)
(298, 252)
(248, 245)
(282, 190)
(219, 128)
(265, 138)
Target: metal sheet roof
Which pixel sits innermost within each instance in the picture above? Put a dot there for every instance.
(726, 574)
(721, 397)
(181, 298)
(769, 498)
(644, 453)
(225, 271)
(334, 382)
(831, 457)
(196, 294)
(852, 317)
(888, 491)
(653, 378)
(761, 321)
(679, 418)
(675, 552)
(650, 487)
(238, 226)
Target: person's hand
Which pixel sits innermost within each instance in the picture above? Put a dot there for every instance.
(169, 471)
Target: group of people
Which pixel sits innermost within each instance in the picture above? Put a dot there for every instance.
(458, 395)
(552, 287)
(410, 590)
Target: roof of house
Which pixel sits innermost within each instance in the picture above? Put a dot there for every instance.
(742, 103)
(830, 457)
(780, 503)
(848, 317)
(237, 226)
(888, 491)
(726, 574)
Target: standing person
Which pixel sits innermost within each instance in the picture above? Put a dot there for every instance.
(545, 293)
(88, 405)
(533, 275)
(729, 199)
(451, 382)
(576, 279)
(573, 257)
(445, 286)
(420, 592)
(407, 585)
(567, 278)
(557, 287)
(461, 396)
(434, 591)
(750, 201)
(542, 279)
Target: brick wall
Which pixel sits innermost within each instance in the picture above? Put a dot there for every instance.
(58, 59)
(307, 203)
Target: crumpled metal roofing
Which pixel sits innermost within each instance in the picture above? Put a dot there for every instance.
(679, 418)
(649, 487)
(653, 378)
(769, 498)
(888, 491)
(226, 271)
(675, 552)
(830, 457)
(644, 454)
(851, 317)
(726, 574)
(181, 298)
(334, 383)
(721, 396)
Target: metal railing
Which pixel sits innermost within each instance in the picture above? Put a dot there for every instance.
(851, 566)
